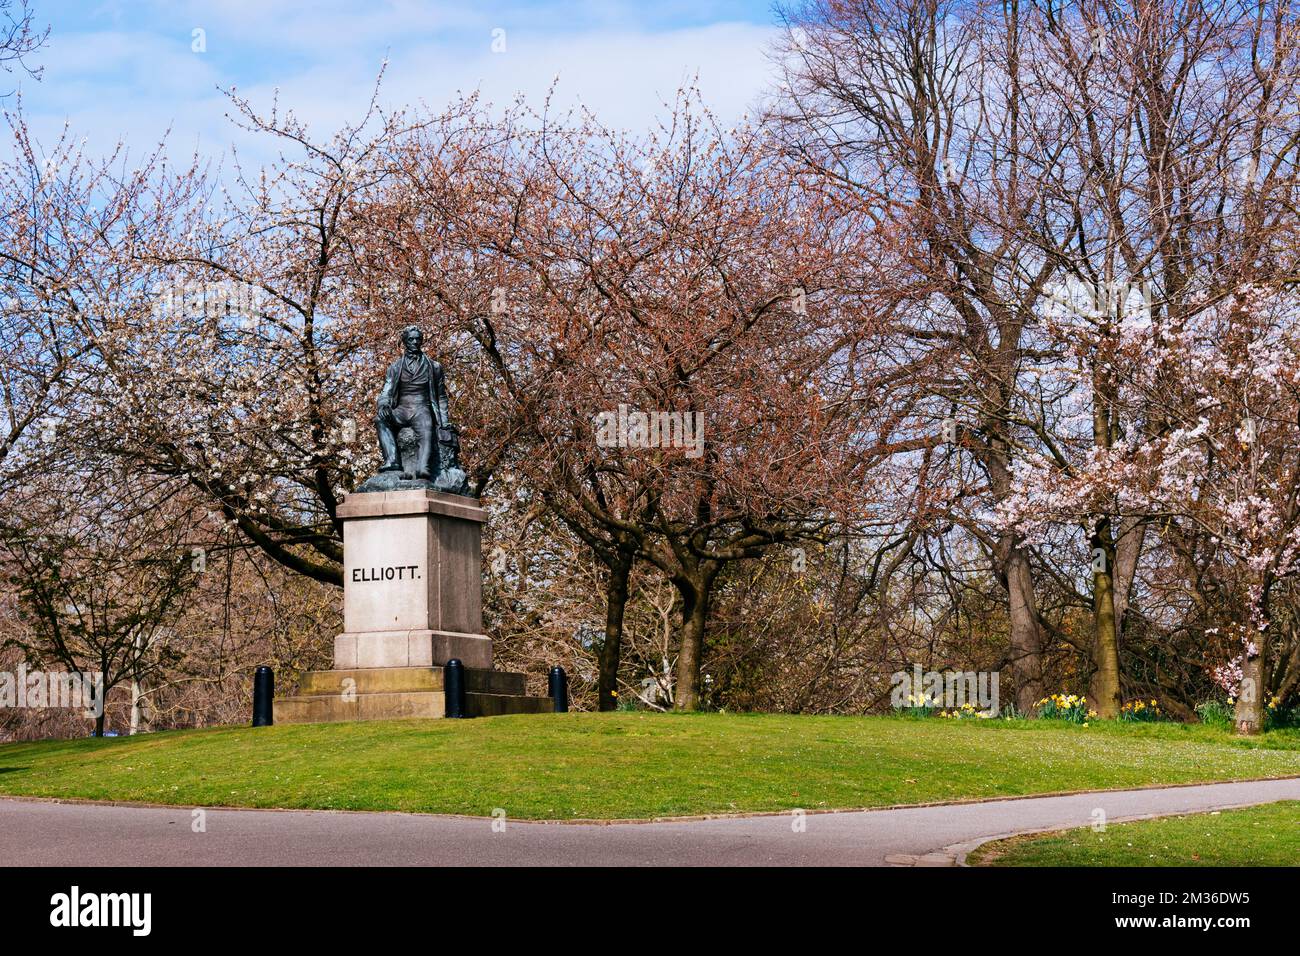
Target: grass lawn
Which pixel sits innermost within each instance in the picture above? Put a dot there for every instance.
(620, 765)
(1257, 836)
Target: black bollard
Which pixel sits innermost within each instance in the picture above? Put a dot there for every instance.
(263, 694)
(453, 687)
(557, 686)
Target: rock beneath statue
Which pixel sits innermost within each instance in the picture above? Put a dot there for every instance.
(451, 477)
(393, 481)
(452, 481)
(408, 444)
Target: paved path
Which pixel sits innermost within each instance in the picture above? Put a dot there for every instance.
(67, 834)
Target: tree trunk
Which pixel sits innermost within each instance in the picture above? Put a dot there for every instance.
(100, 701)
(1249, 716)
(1104, 689)
(620, 569)
(1128, 552)
(138, 703)
(695, 610)
(137, 688)
(1026, 635)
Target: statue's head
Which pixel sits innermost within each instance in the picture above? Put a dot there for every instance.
(412, 338)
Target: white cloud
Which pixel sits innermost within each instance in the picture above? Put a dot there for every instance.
(134, 83)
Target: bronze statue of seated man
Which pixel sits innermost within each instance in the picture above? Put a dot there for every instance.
(415, 396)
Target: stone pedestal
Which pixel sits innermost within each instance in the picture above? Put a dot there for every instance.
(412, 600)
(412, 586)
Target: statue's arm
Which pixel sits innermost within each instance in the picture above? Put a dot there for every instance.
(438, 384)
(386, 392)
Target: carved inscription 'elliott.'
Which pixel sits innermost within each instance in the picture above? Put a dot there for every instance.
(398, 572)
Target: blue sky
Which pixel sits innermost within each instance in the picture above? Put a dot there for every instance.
(128, 68)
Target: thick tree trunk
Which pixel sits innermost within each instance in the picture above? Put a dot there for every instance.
(695, 612)
(1026, 634)
(1011, 561)
(1249, 716)
(1104, 689)
(620, 569)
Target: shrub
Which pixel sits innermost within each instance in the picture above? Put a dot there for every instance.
(1141, 711)
(966, 712)
(917, 706)
(1215, 713)
(1065, 707)
(1277, 717)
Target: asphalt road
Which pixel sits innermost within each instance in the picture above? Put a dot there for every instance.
(41, 833)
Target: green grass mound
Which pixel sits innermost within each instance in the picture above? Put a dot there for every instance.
(627, 765)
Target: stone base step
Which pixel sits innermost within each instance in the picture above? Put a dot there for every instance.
(327, 708)
(388, 680)
(497, 705)
(428, 705)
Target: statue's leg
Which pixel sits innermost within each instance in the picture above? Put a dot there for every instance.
(387, 432)
(427, 460)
